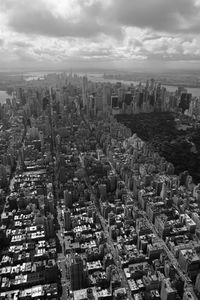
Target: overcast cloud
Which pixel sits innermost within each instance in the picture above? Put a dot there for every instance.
(111, 33)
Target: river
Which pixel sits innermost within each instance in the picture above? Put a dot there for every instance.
(99, 78)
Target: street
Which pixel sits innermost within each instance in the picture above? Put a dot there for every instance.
(61, 258)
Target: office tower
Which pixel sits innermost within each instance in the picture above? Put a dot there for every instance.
(92, 106)
(3, 175)
(139, 97)
(189, 261)
(21, 96)
(39, 219)
(196, 192)
(49, 226)
(197, 283)
(76, 272)
(51, 206)
(67, 220)
(152, 84)
(106, 98)
(49, 203)
(185, 101)
(41, 138)
(112, 180)
(128, 98)
(103, 190)
(68, 199)
(114, 101)
(84, 91)
(51, 272)
(163, 192)
(167, 292)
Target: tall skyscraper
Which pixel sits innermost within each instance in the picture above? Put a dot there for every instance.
(68, 198)
(167, 292)
(106, 98)
(84, 91)
(67, 220)
(76, 272)
(115, 104)
(92, 105)
(49, 226)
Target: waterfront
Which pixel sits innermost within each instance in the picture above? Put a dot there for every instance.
(194, 91)
(170, 88)
(3, 96)
(99, 77)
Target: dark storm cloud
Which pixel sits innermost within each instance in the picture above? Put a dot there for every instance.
(36, 17)
(49, 25)
(83, 31)
(40, 20)
(160, 15)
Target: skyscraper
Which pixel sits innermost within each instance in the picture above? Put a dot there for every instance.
(84, 91)
(67, 220)
(68, 199)
(49, 226)
(76, 272)
(106, 98)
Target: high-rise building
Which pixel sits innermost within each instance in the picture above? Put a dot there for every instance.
(189, 261)
(185, 101)
(106, 98)
(39, 219)
(49, 226)
(92, 108)
(84, 91)
(68, 198)
(41, 138)
(67, 220)
(197, 283)
(76, 272)
(51, 206)
(114, 101)
(167, 292)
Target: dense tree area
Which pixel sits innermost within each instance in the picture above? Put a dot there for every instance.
(159, 129)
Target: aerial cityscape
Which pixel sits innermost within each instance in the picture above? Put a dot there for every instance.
(100, 150)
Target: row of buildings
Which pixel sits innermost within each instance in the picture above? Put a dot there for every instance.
(28, 257)
(118, 98)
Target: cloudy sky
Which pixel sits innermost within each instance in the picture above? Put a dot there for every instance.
(100, 33)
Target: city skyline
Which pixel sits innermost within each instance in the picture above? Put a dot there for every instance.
(153, 35)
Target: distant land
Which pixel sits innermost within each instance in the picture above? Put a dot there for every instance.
(186, 78)
(170, 79)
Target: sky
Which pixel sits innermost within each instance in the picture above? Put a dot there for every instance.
(110, 34)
